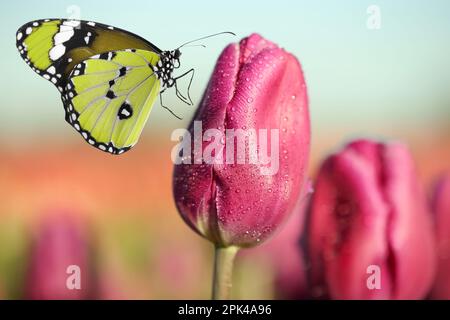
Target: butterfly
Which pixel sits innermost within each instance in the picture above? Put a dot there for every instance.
(108, 78)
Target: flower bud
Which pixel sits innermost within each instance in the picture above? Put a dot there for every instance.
(371, 234)
(239, 193)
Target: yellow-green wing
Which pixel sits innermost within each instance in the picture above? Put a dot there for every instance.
(108, 97)
(52, 47)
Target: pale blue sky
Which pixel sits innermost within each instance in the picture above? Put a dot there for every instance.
(398, 75)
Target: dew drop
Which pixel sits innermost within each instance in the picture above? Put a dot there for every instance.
(249, 100)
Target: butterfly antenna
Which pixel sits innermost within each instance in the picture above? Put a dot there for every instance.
(206, 37)
(195, 45)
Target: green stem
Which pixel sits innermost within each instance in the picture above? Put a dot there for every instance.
(223, 269)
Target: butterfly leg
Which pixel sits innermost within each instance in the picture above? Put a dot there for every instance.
(162, 105)
(181, 96)
(192, 71)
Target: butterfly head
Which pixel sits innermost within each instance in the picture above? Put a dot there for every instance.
(175, 58)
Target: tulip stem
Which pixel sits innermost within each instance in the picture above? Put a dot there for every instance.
(223, 270)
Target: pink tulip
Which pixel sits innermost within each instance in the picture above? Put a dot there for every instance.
(285, 258)
(59, 248)
(370, 233)
(441, 206)
(255, 85)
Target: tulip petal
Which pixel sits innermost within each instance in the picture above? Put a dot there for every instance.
(441, 207)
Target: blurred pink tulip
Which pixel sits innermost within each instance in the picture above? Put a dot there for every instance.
(57, 254)
(286, 258)
(441, 207)
(371, 233)
(255, 85)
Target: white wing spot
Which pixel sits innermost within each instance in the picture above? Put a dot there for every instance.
(74, 116)
(91, 23)
(61, 37)
(46, 76)
(19, 36)
(64, 28)
(51, 70)
(54, 80)
(29, 30)
(72, 23)
(57, 52)
(35, 24)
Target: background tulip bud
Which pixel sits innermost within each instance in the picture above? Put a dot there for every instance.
(441, 207)
(370, 233)
(285, 258)
(59, 248)
(255, 85)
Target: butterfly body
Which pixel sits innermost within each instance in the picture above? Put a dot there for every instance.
(108, 78)
(165, 66)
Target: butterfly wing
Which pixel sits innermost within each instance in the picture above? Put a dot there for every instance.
(109, 96)
(52, 47)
